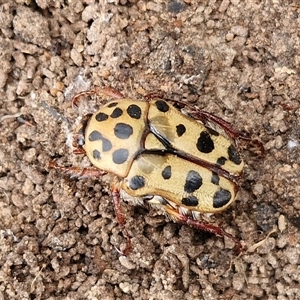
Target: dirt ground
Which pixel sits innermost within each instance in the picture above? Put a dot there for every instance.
(237, 59)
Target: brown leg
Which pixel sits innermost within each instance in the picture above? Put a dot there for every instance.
(227, 127)
(77, 171)
(78, 150)
(184, 219)
(106, 91)
(120, 217)
(155, 95)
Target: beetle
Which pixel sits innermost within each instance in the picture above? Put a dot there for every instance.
(158, 155)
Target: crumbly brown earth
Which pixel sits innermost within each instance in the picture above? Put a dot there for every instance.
(58, 236)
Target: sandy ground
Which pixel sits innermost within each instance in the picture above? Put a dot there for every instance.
(237, 59)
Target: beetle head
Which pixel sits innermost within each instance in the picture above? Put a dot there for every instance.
(79, 135)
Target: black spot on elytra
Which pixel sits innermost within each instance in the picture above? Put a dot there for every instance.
(233, 155)
(134, 111)
(221, 160)
(100, 117)
(221, 198)
(215, 179)
(180, 129)
(190, 201)
(205, 144)
(106, 145)
(162, 106)
(120, 156)
(123, 131)
(167, 172)
(96, 154)
(136, 182)
(97, 136)
(112, 104)
(117, 113)
(193, 182)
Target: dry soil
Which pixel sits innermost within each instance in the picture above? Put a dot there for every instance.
(237, 59)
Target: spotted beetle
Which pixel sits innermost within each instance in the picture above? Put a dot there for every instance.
(161, 156)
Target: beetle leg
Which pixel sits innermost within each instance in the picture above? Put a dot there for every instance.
(106, 91)
(184, 219)
(78, 150)
(77, 171)
(226, 126)
(154, 95)
(77, 147)
(110, 92)
(115, 190)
